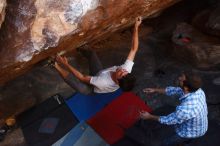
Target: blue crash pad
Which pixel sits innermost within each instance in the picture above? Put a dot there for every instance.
(81, 135)
(85, 106)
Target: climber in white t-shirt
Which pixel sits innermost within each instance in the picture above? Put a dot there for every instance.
(103, 80)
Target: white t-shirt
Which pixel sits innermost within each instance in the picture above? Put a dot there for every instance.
(103, 82)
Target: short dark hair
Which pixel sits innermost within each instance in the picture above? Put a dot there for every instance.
(127, 82)
(193, 82)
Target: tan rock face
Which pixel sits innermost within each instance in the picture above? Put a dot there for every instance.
(2, 11)
(36, 29)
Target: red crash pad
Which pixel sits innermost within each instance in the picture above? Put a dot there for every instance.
(120, 114)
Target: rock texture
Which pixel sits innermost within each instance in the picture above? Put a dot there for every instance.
(36, 29)
(193, 47)
(208, 20)
(2, 11)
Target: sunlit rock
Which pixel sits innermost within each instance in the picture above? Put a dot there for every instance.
(2, 11)
(37, 29)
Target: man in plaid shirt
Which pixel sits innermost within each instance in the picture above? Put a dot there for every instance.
(190, 118)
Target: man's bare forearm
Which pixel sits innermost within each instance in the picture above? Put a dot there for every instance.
(135, 40)
(154, 118)
(160, 90)
(134, 46)
(78, 74)
(74, 71)
(147, 116)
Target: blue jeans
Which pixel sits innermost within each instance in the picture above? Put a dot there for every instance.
(174, 140)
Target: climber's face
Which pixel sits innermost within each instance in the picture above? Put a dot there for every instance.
(120, 73)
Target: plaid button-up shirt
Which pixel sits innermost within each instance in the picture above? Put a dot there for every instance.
(190, 118)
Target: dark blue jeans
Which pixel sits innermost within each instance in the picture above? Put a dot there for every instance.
(174, 140)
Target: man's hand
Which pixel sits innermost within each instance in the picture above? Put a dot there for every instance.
(62, 60)
(138, 21)
(149, 90)
(145, 115)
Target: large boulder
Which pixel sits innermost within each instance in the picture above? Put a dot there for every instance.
(37, 29)
(194, 47)
(2, 11)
